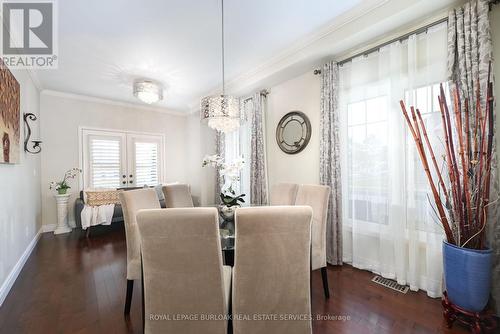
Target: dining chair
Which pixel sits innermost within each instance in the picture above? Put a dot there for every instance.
(284, 194)
(178, 195)
(133, 201)
(271, 273)
(317, 196)
(182, 271)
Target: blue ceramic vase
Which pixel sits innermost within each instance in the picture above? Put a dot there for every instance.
(467, 275)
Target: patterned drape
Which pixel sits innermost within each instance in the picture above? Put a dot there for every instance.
(329, 173)
(469, 48)
(220, 151)
(258, 168)
(469, 56)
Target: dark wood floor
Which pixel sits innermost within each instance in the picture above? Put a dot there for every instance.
(73, 285)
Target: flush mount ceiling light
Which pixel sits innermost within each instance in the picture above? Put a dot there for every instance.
(221, 111)
(148, 91)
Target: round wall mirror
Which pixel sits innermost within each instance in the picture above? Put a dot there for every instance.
(293, 132)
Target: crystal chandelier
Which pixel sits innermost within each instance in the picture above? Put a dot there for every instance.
(148, 91)
(221, 111)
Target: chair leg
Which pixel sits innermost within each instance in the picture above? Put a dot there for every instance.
(143, 298)
(324, 276)
(128, 298)
(310, 283)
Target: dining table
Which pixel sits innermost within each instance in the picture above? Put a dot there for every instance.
(226, 230)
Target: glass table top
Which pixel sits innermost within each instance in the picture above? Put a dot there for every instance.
(226, 230)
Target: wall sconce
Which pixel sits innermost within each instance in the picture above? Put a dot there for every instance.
(36, 148)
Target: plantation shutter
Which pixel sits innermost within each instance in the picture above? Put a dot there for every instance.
(146, 163)
(105, 162)
(119, 159)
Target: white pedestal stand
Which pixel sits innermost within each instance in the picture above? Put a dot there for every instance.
(62, 214)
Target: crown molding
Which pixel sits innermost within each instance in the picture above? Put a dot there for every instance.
(320, 46)
(34, 78)
(294, 53)
(130, 105)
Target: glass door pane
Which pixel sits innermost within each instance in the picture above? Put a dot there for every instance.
(145, 160)
(105, 159)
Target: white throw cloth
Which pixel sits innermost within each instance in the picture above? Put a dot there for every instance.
(97, 215)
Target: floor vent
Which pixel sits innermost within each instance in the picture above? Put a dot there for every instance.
(389, 283)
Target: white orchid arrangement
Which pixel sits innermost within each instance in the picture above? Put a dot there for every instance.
(230, 172)
(63, 186)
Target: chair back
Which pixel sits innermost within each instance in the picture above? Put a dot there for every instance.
(271, 270)
(284, 194)
(316, 196)
(178, 196)
(182, 267)
(132, 201)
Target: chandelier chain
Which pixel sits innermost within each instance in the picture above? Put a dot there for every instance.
(223, 51)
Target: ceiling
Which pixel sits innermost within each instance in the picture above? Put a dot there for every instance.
(105, 45)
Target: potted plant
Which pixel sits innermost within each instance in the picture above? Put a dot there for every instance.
(461, 191)
(230, 172)
(62, 186)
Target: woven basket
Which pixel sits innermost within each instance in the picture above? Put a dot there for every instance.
(97, 198)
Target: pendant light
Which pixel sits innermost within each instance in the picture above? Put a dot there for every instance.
(221, 111)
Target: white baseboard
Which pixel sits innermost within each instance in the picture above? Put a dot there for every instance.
(11, 278)
(48, 228)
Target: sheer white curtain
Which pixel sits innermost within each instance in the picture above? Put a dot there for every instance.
(389, 225)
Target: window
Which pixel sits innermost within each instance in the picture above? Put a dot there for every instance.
(105, 164)
(426, 98)
(389, 225)
(113, 159)
(146, 157)
(367, 158)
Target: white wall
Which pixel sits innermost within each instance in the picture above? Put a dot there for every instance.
(301, 93)
(200, 141)
(20, 209)
(62, 115)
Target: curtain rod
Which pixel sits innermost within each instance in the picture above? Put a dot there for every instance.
(397, 39)
(263, 92)
(420, 30)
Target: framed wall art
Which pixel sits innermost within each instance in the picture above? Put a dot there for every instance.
(10, 132)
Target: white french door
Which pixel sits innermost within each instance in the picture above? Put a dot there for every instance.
(144, 159)
(116, 159)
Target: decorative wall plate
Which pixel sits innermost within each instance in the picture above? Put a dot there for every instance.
(293, 132)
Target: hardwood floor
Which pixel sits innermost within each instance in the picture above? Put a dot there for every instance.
(73, 285)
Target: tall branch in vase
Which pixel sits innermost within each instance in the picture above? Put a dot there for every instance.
(461, 192)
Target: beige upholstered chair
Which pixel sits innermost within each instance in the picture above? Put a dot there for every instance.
(284, 194)
(317, 196)
(182, 270)
(133, 201)
(178, 196)
(272, 269)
